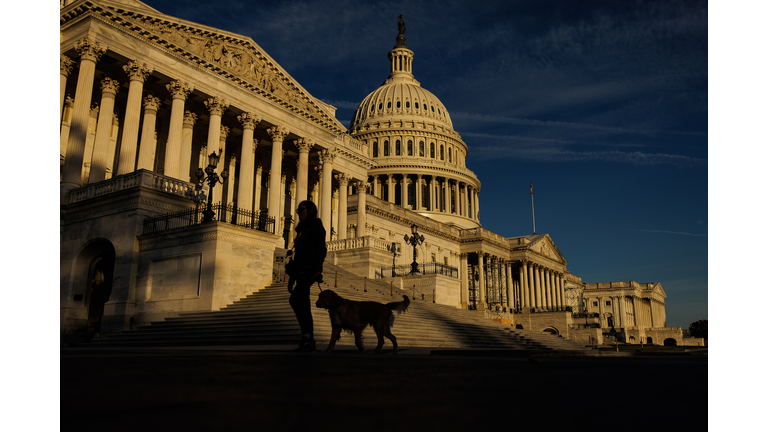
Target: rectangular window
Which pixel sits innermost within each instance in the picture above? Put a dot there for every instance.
(608, 303)
(594, 304)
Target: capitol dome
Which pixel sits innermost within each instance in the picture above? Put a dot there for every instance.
(419, 158)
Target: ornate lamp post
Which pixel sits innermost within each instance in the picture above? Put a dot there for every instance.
(414, 240)
(212, 178)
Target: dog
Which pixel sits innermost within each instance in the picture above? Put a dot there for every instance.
(355, 316)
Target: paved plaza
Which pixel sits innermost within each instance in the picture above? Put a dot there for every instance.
(271, 389)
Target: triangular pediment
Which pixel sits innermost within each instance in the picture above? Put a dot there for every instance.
(543, 245)
(657, 289)
(236, 58)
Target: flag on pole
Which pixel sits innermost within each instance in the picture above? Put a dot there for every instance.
(531, 188)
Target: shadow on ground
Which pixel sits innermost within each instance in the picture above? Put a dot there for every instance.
(191, 390)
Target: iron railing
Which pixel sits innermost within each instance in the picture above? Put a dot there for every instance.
(424, 269)
(223, 213)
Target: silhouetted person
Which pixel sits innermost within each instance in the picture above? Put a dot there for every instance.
(307, 268)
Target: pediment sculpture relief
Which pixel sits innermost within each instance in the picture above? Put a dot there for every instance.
(236, 57)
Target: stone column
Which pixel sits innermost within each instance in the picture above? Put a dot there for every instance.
(464, 277)
(326, 158)
(247, 155)
(90, 52)
(302, 173)
(477, 205)
(620, 308)
(447, 196)
(137, 73)
(148, 137)
(216, 107)
(600, 311)
(540, 297)
(343, 180)
(481, 288)
(404, 191)
(186, 144)
(524, 300)
(417, 204)
(390, 189)
(218, 191)
(281, 206)
(635, 312)
(376, 186)
(361, 219)
(561, 286)
(277, 133)
(65, 68)
(179, 91)
(510, 289)
(109, 89)
(470, 203)
(231, 180)
(257, 195)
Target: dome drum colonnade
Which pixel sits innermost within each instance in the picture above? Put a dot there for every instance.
(81, 164)
(419, 157)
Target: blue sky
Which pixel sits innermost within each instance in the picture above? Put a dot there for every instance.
(601, 104)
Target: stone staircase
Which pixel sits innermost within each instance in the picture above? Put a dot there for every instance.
(266, 318)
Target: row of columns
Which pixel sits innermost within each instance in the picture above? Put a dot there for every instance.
(540, 287)
(632, 311)
(445, 195)
(179, 143)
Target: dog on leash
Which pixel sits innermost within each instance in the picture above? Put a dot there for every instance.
(355, 316)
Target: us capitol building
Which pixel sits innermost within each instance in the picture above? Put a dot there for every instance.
(185, 150)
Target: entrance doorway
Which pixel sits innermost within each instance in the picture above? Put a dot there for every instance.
(98, 289)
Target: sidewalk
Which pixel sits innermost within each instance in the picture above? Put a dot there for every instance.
(271, 388)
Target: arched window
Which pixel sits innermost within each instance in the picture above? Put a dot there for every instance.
(398, 104)
(421, 148)
(442, 155)
(389, 104)
(417, 105)
(433, 108)
(450, 154)
(432, 150)
(407, 104)
(373, 107)
(375, 149)
(379, 106)
(410, 148)
(397, 148)
(386, 148)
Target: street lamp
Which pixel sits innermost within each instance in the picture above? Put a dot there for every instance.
(414, 240)
(212, 178)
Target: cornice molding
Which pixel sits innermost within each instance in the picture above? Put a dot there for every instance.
(234, 58)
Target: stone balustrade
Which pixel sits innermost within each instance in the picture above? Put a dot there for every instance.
(140, 178)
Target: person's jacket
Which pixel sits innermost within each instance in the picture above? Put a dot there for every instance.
(310, 249)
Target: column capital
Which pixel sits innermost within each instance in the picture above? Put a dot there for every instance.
(216, 105)
(89, 50)
(65, 64)
(108, 85)
(137, 71)
(343, 179)
(304, 145)
(151, 103)
(179, 89)
(189, 118)
(464, 255)
(249, 120)
(327, 156)
(223, 133)
(278, 133)
(361, 186)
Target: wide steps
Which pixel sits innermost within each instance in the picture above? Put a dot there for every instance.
(265, 318)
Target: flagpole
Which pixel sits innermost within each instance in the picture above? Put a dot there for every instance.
(533, 213)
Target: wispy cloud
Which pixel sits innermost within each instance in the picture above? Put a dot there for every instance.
(546, 123)
(612, 156)
(672, 232)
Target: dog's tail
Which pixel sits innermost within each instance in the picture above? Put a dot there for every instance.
(399, 307)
